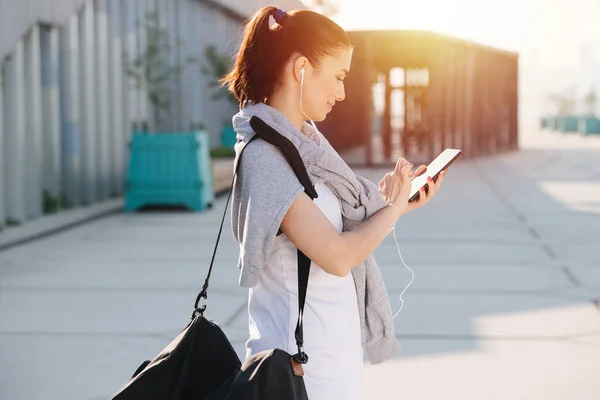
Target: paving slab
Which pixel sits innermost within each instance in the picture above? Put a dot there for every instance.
(106, 312)
(495, 315)
(117, 276)
(491, 370)
(451, 253)
(482, 278)
(505, 303)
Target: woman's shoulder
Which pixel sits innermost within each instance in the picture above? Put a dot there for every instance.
(263, 166)
(259, 150)
(260, 156)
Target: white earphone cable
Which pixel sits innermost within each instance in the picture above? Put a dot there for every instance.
(301, 109)
(410, 270)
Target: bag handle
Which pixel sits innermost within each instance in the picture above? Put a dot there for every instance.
(291, 154)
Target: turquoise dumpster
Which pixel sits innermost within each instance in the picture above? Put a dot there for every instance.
(568, 123)
(169, 169)
(589, 125)
(228, 136)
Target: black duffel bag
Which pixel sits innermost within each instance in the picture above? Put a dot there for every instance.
(200, 362)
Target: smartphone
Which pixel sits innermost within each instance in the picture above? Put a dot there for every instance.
(441, 162)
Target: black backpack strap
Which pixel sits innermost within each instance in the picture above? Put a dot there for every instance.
(291, 154)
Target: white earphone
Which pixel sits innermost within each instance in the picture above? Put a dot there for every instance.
(302, 110)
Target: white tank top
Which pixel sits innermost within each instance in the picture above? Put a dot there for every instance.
(332, 333)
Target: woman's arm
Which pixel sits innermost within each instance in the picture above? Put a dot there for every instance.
(336, 253)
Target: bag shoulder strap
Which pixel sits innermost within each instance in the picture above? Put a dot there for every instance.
(290, 152)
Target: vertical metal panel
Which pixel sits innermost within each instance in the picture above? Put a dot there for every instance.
(193, 76)
(3, 165)
(88, 105)
(102, 91)
(51, 111)
(141, 12)
(70, 130)
(14, 144)
(129, 21)
(180, 92)
(211, 31)
(17, 16)
(205, 38)
(168, 22)
(33, 118)
(117, 95)
(130, 109)
(188, 78)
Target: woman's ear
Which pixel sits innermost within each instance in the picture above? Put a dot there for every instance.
(300, 63)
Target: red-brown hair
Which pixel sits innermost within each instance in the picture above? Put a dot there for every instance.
(264, 50)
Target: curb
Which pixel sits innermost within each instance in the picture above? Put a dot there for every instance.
(49, 224)
(63, 220)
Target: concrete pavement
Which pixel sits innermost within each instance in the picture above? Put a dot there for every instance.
(504, 304)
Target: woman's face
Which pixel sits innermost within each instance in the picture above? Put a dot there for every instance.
(324, 85)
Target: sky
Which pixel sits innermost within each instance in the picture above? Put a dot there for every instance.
(558, 41)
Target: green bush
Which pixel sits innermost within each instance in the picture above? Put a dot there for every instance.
(51, 203)
(222, 152)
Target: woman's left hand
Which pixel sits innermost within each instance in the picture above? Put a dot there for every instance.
(432, 188)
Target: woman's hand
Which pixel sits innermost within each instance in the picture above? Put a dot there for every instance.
(396, 185)
(424, 198)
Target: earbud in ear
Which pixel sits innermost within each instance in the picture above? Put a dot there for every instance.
(302, 72)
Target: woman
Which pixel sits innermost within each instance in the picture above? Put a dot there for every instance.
(285, 74)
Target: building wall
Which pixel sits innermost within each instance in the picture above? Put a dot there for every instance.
(17, 17)
(67, 106)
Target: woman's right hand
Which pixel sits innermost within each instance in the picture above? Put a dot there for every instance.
(395, 186)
